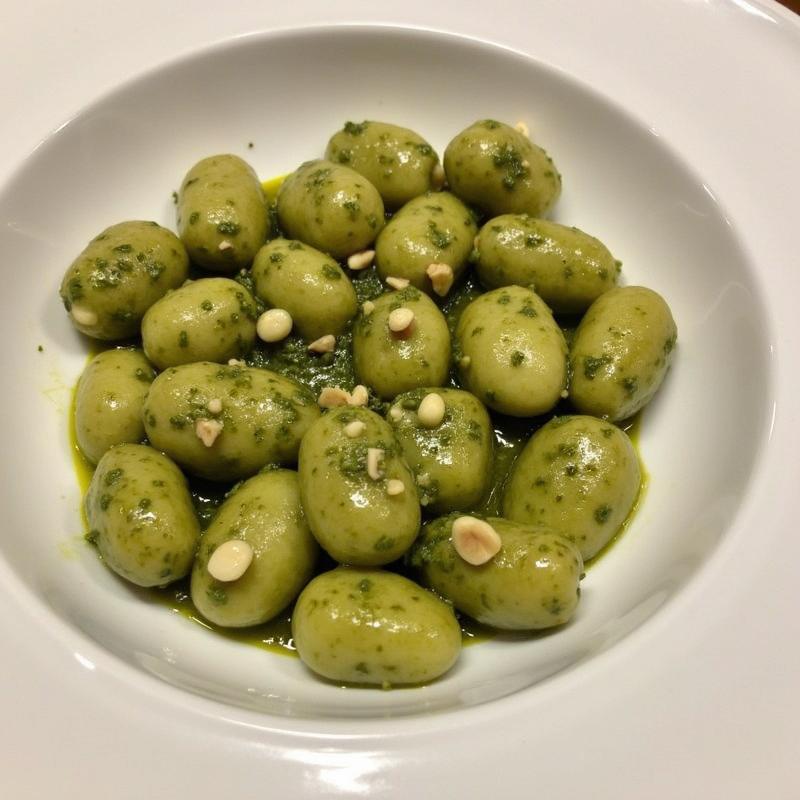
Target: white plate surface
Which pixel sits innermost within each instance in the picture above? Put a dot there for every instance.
(703, 694)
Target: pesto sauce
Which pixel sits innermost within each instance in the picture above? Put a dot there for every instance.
(292, 359)
(275, 635)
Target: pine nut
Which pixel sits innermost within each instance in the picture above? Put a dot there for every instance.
(274, 325)
(474, 540)
(431, 410)
(230, 560)
(397, 283)
(400, 320)
(441, 276)
(361, 260)
(325, 344)
(208, 430)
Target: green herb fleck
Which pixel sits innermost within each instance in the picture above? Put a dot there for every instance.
(384, 543)
(630, 385)
(122, 315)
(228, 228)
(112, 476)
(602, 513)
(553, 606)
(154, 270)
(355, 128)
(217, 596)
(331, 272)
(438, 238)
(591, 364)
(507, 159)
(353, 207)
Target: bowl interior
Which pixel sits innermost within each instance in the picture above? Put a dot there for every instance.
(286, 93)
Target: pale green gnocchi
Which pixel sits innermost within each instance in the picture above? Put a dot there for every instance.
(109, 400)
(210, 319)
(224, 422)
(308, 284)
(221, 214)
(317, 330)
(265, 513)
(435, 228)
(357, 489)
(578, 475)
(391, 359)
(398, 162)
(140, 516)
(373, 627)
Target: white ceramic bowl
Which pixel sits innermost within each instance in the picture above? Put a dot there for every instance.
(122, 157)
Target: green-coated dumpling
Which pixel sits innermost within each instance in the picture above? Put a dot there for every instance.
(621, 352)
(308, 284)
(331, 207)
(568, 268)
(119, 275)
(578, 475)
(391, 362)
(452, 460)
(222, 215)
(265, 513)
(512, 355)
(357, 491)
(398, 162)
(141, 517)
(211, 319)
(435, 228)
(227, 422)
(367, 626)
(530, 584)
(501, 171)
(109, 401)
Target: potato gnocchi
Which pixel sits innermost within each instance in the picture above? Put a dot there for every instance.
(384, 395)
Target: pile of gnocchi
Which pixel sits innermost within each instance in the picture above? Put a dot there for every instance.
(341, 360)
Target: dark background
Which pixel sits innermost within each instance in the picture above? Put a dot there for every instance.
(793, 4)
